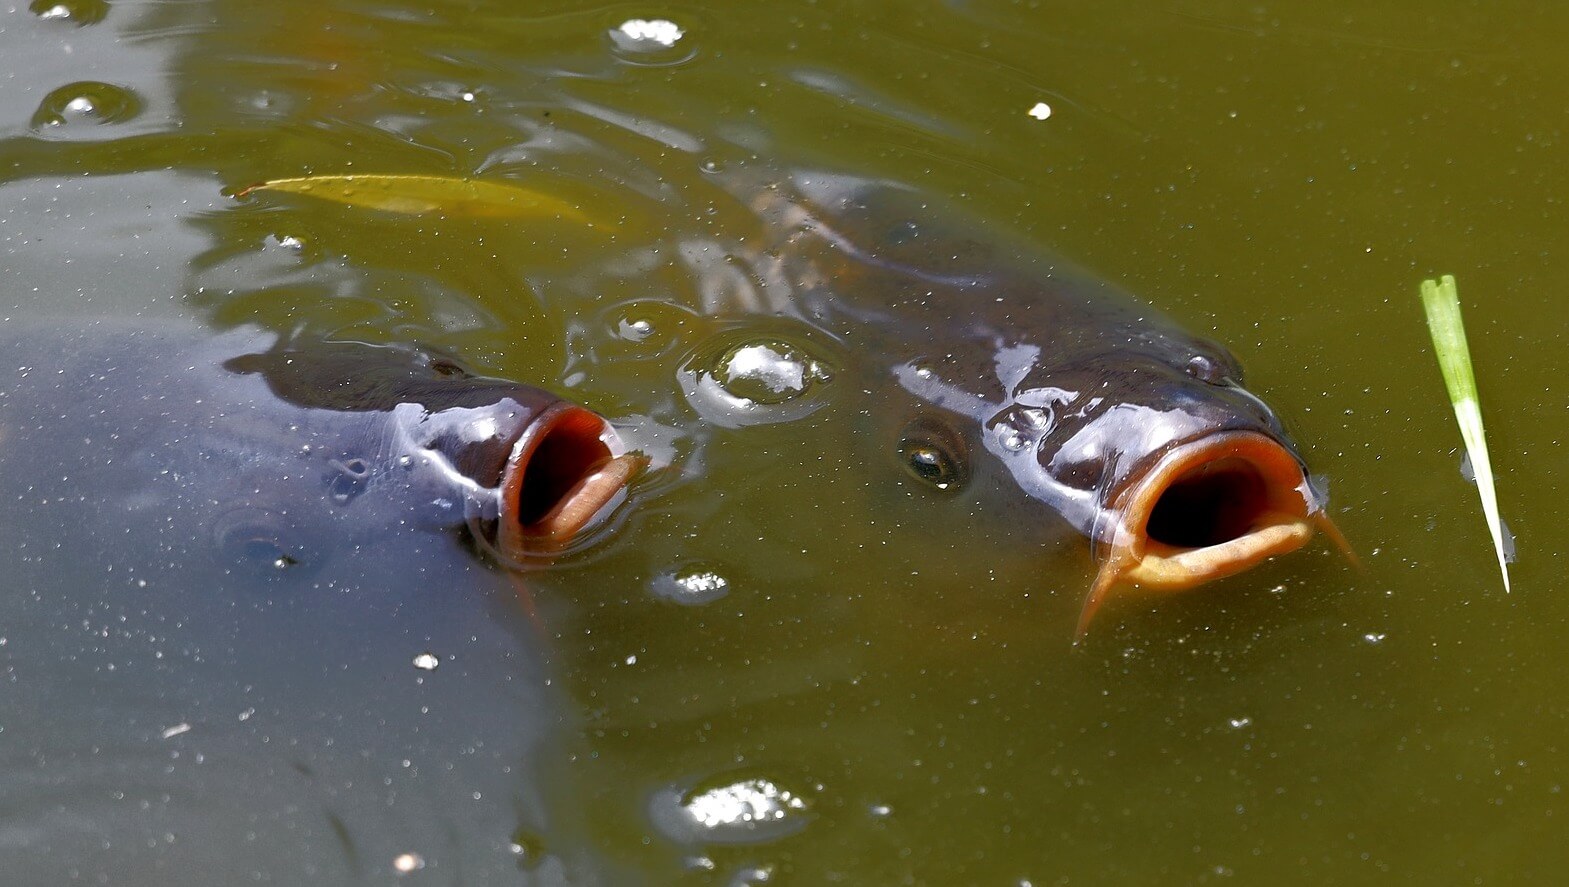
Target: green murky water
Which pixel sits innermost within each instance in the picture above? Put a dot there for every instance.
(1279, 178)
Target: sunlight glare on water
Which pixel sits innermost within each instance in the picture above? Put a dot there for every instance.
(692, 584)
(748, 811)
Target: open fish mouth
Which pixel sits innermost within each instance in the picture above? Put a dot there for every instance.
(566, 468)
(1207, 509)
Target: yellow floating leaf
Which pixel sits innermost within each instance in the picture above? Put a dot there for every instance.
(426, 195)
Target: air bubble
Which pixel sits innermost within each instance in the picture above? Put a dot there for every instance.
(651, 42)
(645, 330)
(77, 12)
(755, 381)
(404, 863)
(86, 102)
(768, 372)
(1012, 439)
(751, 876)
(1035, 419)
(263, 101)
(1205, 369)
(636, 330)
(528, 848)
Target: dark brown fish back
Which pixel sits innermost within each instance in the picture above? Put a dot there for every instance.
(361, 377)
(1069, 380)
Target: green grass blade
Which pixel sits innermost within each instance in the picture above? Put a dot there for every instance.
(1441, 300)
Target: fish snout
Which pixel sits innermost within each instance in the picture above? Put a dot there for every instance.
(1206, 509)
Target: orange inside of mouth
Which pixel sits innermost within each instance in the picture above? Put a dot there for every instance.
(563, 471)
(1207, 509)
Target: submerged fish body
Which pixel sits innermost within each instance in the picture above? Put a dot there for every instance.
(231, 567)
(528, 469)
(1001, 361)
(345, 440)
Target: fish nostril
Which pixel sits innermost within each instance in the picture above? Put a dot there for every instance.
(1212, 504)
(348, 479)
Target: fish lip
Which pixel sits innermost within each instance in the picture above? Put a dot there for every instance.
(597, 470)
(1282, 517)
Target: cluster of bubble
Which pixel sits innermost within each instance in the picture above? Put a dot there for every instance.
(85, 102)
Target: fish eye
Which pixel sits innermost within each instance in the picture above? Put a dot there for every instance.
(933, 453)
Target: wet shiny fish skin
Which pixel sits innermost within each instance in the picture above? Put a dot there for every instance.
(1058, 383)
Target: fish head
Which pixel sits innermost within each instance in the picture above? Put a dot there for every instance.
(1176, 473)
(1144, 440)
(528, 472)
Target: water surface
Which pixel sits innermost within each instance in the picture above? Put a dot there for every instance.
(1280, 179)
